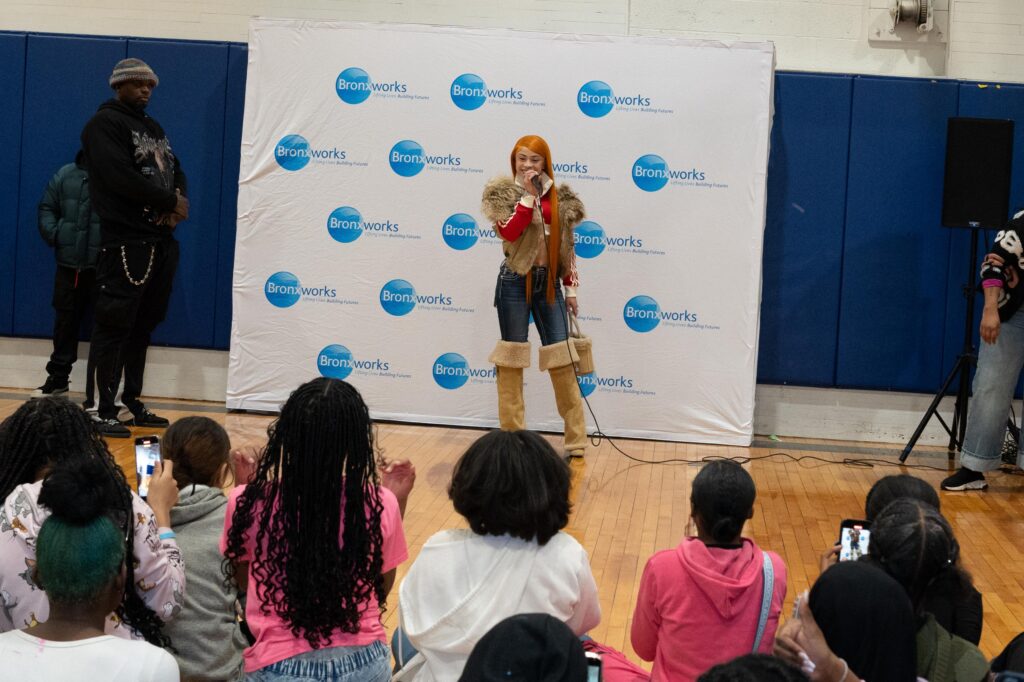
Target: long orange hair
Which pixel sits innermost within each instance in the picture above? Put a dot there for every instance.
(537, 145)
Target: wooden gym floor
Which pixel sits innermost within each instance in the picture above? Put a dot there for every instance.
(624, 511)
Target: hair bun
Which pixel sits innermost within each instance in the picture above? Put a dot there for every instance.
(79, 490)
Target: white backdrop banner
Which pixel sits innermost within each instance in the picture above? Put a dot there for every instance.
(362, 252)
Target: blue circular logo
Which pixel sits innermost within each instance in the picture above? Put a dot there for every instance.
(469, 91)
(282, 289)
(292, 152)
(595, 99)
(589, 239)
(642, 314)
(335, 361)
(353, 85)
(650, 172)
(459, 231)
(345, 224)
(451, 371)
(587, 382)
(398, 297)
(406, 158)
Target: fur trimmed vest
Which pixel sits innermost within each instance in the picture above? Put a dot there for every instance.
(499, 202)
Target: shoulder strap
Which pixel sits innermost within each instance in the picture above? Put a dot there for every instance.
(767, 591)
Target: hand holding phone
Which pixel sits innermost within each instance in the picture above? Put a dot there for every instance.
(854, 539)
(147, 454)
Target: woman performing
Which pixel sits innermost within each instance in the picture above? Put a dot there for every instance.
(539, 259)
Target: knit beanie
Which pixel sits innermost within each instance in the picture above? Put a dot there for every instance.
(532, 647)
(132, 69)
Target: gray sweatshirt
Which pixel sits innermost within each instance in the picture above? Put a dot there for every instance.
(206, 633)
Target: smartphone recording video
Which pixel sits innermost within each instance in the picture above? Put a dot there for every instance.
(854, 538)
(147, 454)
(593, 667)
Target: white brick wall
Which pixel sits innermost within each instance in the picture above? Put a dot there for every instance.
(986, 40)
(810, 35)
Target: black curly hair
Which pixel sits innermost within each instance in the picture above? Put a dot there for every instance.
(52, 431)
(754, 668)
(319, 454)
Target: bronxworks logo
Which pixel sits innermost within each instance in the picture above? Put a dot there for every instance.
(336, 362)
(293, 152)
(651, 173)
(354, 86)
(597, 99)
(398, 297)
(452, 371)
(460, 232)
(589, 382)
(284, 290)
(407, 159)
(642, 314)
(345, 224)
(590, 241)
(469, 92)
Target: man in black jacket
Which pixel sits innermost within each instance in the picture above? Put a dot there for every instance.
(138, 190)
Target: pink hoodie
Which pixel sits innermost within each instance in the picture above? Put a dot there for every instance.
(699, 606)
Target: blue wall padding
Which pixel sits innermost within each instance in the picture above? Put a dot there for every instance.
(237, 62)
(65, 81)
(12, 85)
(892, 315)
(189, 104)
(804, 229)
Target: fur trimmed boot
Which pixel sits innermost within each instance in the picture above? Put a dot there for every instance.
(509, 358)
(558, 360)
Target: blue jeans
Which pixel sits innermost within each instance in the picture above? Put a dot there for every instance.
(368, 663)
(999, 366)
(514, 311)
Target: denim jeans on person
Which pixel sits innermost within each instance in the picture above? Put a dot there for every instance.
(514, 311)
(999, 367)
(370, 663)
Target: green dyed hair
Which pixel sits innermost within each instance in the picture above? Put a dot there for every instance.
(77, 560)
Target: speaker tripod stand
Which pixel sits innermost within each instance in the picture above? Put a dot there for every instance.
(967, 358)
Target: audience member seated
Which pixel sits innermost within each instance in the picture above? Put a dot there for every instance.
(513, 489)
(206, 634)
(715, 596)
(80, 563)
(532, 647)
(913, 543)
(42, 434)
(858, 623)
(951, 597)
(754, 668)
(314, 539)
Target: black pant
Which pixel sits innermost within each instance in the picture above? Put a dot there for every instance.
(72, 295)
(127, 314)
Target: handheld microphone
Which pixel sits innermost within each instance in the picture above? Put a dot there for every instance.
(537, 183)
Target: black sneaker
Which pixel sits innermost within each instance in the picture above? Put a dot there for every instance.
(965, 479)
(54, 386)
(146, 418)
(112, 428)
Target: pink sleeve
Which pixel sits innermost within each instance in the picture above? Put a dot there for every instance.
(394, 551)
(160, 574)
(646, 620)
(20, 599)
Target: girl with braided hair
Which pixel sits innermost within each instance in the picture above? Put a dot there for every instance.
(80, 554)
(314, 539)
(42, 434)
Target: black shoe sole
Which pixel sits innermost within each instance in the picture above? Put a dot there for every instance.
(145, 424)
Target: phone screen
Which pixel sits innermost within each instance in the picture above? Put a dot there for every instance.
(854, 542)
(147, 453)
(593, 667)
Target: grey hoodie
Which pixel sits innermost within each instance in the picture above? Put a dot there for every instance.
(206, 634)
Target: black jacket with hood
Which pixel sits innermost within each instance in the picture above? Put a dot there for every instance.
(133, 174)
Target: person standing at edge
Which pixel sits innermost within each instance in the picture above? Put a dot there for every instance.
(138, 189)
(68, 224)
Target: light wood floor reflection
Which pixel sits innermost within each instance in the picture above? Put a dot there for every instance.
(624, 511)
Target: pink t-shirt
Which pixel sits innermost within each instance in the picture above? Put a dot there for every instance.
(274, 639)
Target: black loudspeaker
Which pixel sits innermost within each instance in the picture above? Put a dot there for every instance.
(979, 158)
